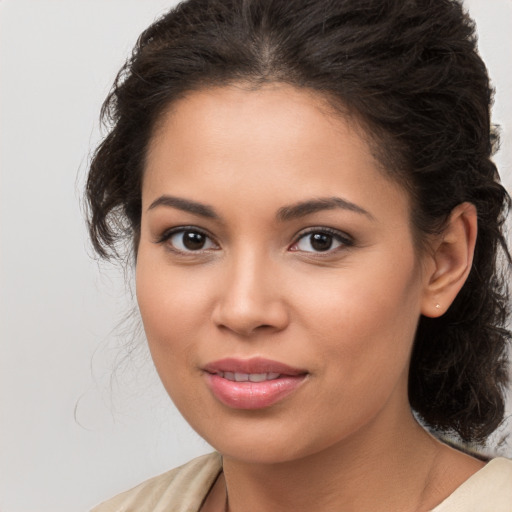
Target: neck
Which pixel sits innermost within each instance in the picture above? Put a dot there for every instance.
(370, 471)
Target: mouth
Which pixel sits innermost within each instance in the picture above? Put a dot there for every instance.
(248, 377)
(252, 383)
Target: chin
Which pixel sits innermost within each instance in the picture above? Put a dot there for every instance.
(263, 442)
(267, 453)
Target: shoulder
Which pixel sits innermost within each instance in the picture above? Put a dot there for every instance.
(185, 486)
(488, 490)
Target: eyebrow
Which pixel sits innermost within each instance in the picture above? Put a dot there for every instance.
(304, 208)
(286, 213)
(185, 205)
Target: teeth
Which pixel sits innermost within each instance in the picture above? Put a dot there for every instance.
(258, 377)
(246, 377)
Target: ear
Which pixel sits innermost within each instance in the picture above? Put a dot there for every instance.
(450, 261)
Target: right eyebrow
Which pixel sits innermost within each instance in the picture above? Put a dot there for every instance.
(186, 205)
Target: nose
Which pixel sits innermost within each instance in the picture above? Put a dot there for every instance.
(250, 298)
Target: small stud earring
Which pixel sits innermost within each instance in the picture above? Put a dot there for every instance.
(438, 306)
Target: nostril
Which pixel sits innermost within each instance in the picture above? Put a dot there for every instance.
(250, 322)
(246, 330)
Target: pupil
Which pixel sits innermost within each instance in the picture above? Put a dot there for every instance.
(193, 240)
(321, 241)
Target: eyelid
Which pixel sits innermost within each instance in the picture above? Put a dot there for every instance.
(168, 233)
(338, 235)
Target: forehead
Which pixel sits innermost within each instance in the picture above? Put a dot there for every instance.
(274, 141)
(250, 117)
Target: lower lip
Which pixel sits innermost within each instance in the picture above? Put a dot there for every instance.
(253, 395)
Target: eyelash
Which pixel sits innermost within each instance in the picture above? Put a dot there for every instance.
(167, 235)
(344, 239)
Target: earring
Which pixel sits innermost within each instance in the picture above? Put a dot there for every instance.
(438, 306)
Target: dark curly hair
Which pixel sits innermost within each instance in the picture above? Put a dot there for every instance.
(406, 70)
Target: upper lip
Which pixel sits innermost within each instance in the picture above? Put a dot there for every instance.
(253, 365)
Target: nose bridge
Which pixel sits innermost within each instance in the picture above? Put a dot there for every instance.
(248, 273)
(250, 297)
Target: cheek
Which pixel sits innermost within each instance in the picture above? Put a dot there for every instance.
(366, 320)
(170, 306)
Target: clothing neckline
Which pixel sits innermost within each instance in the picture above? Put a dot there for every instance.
(494, 477)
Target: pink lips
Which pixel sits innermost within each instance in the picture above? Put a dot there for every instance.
(252, 383)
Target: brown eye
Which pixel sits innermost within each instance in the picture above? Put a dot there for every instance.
(321, 240)
(193, 241)
(189, 240)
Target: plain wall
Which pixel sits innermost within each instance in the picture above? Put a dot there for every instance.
(72, 431)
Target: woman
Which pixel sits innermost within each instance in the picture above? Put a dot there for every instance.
(316, 226)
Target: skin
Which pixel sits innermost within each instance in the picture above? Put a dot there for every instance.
(258, 288)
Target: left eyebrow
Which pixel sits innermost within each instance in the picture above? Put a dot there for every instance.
(303, 208)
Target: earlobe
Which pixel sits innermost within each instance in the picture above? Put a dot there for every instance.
(452, 258)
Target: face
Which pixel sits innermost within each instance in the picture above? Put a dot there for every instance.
(277, 278)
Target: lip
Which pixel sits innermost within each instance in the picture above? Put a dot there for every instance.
(252, 395)
(253, 365)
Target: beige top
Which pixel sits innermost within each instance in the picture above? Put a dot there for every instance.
(184, 489)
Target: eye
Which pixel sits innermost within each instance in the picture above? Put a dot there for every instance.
(188, 240)
(321, 240)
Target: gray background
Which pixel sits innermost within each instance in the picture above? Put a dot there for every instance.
(73, 429)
